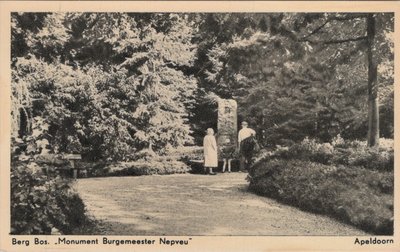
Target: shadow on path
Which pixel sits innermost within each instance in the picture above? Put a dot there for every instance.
(189, 204)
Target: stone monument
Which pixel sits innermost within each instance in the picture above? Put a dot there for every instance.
(227, 123)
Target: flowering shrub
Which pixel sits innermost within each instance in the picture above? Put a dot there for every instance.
(371, 158)
(357, 153)
(355, 195)
(339, 152)
(313, 151)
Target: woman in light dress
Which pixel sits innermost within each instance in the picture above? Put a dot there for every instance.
(210, 152)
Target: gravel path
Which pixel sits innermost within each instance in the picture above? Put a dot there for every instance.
(188, 204)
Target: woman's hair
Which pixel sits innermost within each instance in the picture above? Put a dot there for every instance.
(210, 130)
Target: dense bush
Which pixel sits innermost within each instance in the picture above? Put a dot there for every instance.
(187, 153)
(109, 105)
(339, 152)
(313, 151)
(344, 178)
(353, 194)
(43, 202)
(158, 165)
(357, 153)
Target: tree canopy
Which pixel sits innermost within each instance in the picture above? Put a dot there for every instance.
(305, 74)
(109, 85)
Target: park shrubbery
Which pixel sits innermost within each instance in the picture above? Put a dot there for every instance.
(346, 180)
(156, 165)
(146, 92)
(43, 203)
(340, 152)
(187, 153)
(42, 200)
(143, 167)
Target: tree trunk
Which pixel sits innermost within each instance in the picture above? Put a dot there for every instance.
(373, 103)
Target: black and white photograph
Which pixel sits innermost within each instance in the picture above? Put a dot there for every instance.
(192, 124)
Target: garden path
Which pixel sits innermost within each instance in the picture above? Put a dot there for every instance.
(189, 204)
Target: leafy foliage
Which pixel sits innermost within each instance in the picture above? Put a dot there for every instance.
(336, 190)
(332, 178)
(302, 74)
(139, 168)
(124, 88)
(338, 152)
(41, 203)
(137, 99)
(294, 74)
(41, 200)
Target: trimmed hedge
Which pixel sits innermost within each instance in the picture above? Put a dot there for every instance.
(355, 195)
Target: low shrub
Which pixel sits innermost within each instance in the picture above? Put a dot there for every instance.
(339, 152)
(95, 169)
(160, 166)
(357, 153)
(311, 150)
(43, 202)
(354, 195)
(74, 211)
(370, 158)
(176, 160)
(186, 153)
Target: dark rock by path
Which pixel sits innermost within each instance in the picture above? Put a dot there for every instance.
(188, 204)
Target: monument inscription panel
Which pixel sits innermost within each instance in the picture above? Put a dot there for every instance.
(227, 123)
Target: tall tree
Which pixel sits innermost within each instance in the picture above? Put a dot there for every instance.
(375, 42)
(110, 84)
(322, 53)
(373, 107)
